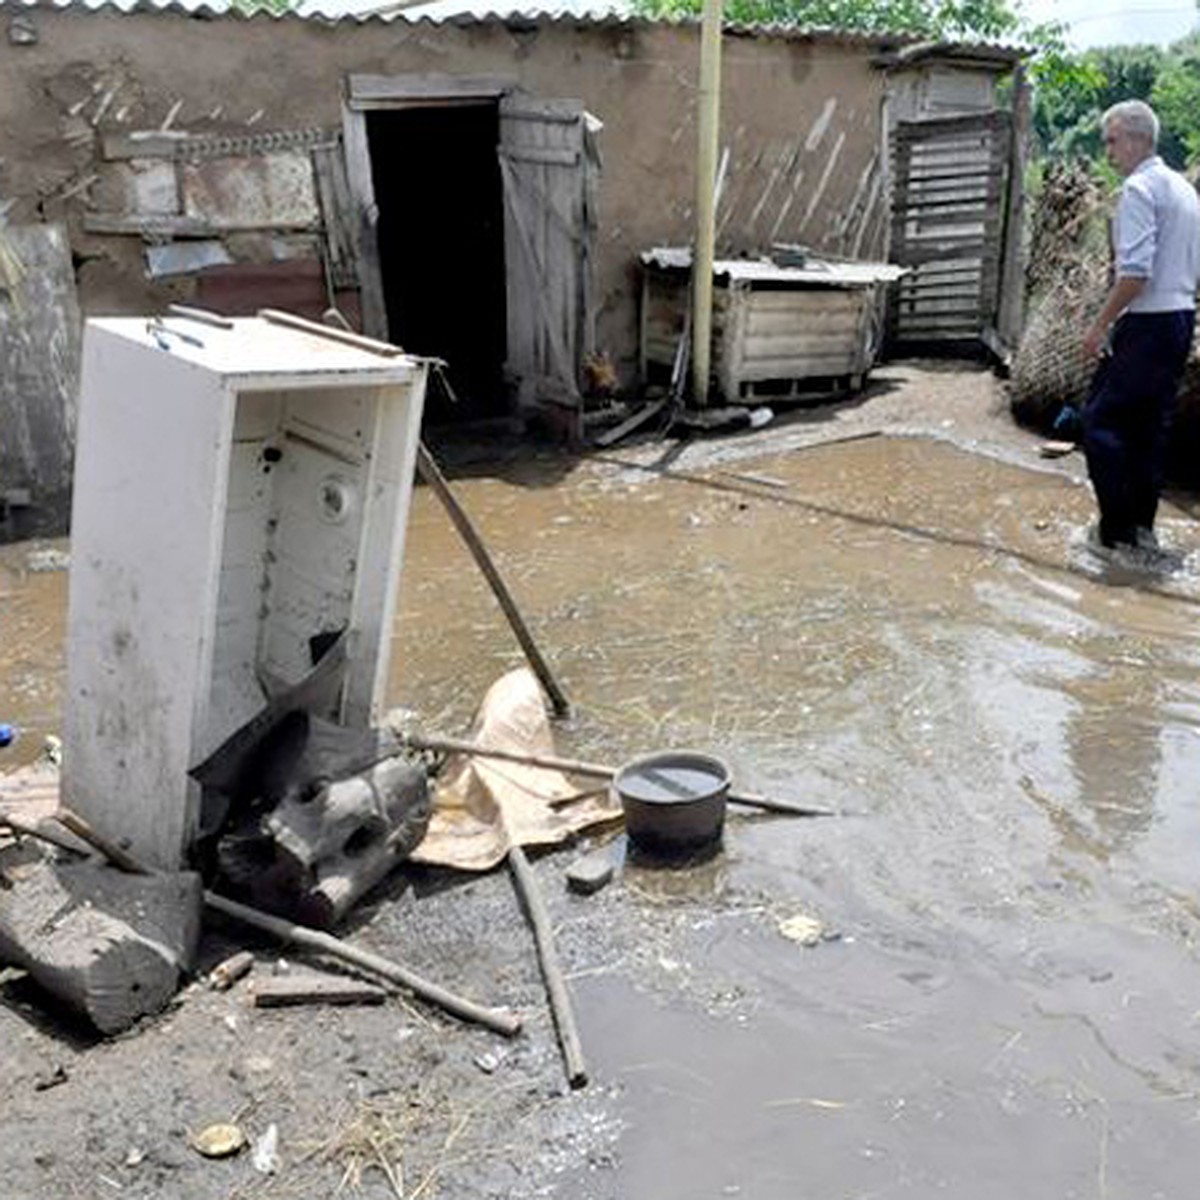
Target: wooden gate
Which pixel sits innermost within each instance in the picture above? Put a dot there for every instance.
(950, 226)
(548, 168)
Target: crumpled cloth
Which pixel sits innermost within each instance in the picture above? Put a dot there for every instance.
(484, 806)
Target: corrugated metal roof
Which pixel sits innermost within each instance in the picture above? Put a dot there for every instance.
(216, 8)
(440, 11)
(503, 12)
(816, 271)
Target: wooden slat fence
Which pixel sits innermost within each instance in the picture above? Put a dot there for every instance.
(948, 225)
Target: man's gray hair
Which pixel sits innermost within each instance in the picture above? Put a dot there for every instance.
(1135, 117)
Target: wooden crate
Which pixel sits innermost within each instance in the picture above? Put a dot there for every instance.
(777, 331)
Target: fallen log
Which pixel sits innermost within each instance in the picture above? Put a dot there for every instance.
(35, 829)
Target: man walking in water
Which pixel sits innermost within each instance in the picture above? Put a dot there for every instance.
(1143, 333)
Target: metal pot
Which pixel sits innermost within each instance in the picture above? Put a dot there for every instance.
(674, 801)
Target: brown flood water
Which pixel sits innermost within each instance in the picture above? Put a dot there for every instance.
(914, 634)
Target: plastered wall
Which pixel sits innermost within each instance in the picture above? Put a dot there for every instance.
(801, 120)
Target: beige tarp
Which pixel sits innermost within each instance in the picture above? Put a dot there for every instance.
(483, 806)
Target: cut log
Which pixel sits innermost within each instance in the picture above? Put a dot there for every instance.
(325, 844)
(225, 974)
(109, 945)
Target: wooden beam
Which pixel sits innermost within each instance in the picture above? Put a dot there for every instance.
(313, 987)
(151, 144)
(401, 91)
(366, 213)
(324, 943)
(571, 766)
(1011, 318)
(945, 127)
(171, 225)
(708, 122)
(108, 944)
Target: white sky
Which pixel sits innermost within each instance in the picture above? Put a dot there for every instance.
(1112, 22)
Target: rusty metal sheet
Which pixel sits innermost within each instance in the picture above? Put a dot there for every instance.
(266, 190)
(241, 289)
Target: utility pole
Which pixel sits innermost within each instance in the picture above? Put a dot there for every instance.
(708, 127)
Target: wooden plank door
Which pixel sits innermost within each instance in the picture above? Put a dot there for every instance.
(949, 225)
(547, 169)
(365, 237)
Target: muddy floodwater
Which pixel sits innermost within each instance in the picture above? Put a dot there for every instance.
(1001, 997)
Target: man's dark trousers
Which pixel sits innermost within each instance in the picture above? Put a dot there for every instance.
(1127, 419)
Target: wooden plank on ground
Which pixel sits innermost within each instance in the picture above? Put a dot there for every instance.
(314, 987)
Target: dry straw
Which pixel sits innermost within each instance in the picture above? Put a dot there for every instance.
(1067, 280)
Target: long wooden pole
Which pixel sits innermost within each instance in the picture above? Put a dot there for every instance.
(428, 469)
(573, 766)
(556, 984)
(708, 133)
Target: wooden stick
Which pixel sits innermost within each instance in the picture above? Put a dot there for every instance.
(324, 943)
(611, 436)
(115, 855)
(20, 825)
(202, 315)
(573, 766)
(526, 884)
(428, 469)
(275, 316)
(225, 974)
(313, 939)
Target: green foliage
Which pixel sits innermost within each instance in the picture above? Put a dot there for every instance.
(1067, 111)
(1176, 98)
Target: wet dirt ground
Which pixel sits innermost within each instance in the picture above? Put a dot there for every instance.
(903, 623)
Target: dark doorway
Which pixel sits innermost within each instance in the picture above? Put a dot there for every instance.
(441, 247)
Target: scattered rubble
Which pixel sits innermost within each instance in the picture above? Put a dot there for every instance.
(592, 872)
